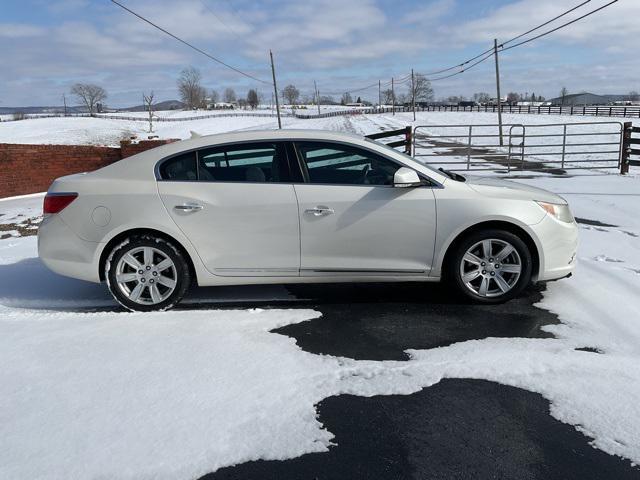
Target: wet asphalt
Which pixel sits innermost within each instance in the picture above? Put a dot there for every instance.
(456, 429)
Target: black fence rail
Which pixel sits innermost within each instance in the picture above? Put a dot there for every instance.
(593, 110)
(406, 142)
(357, 111)
(630, 148)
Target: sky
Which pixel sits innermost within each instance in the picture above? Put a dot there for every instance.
(48, 45)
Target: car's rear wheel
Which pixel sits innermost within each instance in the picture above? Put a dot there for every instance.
(145, 273)
(491, 266)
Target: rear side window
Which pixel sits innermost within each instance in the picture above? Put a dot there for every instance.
(180, 168)
(249, 163)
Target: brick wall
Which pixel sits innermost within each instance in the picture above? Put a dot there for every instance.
(31, 168)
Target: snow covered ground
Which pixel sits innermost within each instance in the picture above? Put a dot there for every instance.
(87, 391)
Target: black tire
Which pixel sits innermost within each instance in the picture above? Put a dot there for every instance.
(181, 272)
(454, 275)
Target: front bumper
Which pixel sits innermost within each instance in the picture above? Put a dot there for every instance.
(62, 251)
(558, 248)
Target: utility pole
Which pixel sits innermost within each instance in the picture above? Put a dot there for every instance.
(393, 98)
(413, 95)
(317, 96)
(275, 89)
(64, 100)
(379, 95)
(499, 100)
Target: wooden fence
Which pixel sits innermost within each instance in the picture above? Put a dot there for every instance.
(630, 148)
(593, 110)
(406, 142)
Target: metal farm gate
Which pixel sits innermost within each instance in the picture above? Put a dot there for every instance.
(551, 147)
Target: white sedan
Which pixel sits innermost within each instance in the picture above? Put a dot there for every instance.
(298, 206)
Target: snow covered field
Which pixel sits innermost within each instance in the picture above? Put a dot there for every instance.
(543, 143)
(88, 391)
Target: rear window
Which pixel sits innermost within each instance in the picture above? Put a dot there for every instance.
(182, 167)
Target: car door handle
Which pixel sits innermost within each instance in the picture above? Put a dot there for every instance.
(189, 207)
(320, 211)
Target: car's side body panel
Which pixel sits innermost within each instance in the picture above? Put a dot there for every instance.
(370, 228)
(243, 229)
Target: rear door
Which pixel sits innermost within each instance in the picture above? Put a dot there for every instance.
(352, 218)
(237, 205)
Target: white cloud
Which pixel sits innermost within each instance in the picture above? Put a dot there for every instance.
(340, 43)
(17, 30)
(430, 12)
(605, 27)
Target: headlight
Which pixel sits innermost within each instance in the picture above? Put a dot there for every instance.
(560, 212)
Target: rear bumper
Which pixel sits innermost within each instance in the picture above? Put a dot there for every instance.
(62, 251)
(558, 248)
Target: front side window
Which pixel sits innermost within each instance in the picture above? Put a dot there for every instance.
(261, 163)
(331, 163)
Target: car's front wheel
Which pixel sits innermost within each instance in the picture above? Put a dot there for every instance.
(491, 266)
(145, 273)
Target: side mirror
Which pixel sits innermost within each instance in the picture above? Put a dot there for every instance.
(405, 177)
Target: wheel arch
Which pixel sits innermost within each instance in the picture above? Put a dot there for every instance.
(517, 230)
(120, 237)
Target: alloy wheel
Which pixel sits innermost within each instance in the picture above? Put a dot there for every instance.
(146, 275)
(491, 267)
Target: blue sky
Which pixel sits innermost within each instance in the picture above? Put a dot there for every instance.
(47, 45)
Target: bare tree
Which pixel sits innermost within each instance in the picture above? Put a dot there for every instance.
(402, 98)
(346, 98)
(252, 99)
(327, 100)
(634, 96)
(229, 95)
(513, 97)
(191, 91)
(291, 94)
(89, 94)
(563, 95)
(214, 97)
(148, 103)
(422, 90)
(455, 99)
(387, 96)
(481, 97)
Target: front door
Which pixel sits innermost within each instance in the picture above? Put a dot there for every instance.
(238, 207)
(352, 219)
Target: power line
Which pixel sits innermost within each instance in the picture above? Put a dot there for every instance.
(203, 2)
(561, 26)
(483, 59)
(191, 46)
(489, 53)
(545, 23)
(401, 80)
(490, 50)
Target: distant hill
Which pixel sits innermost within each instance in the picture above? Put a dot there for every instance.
(59, 109)
(166, 105)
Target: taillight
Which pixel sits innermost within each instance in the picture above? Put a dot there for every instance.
(56, 202)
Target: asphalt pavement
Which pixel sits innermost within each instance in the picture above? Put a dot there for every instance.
(456, 429)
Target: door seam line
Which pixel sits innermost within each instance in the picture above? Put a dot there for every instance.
(299, 231)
